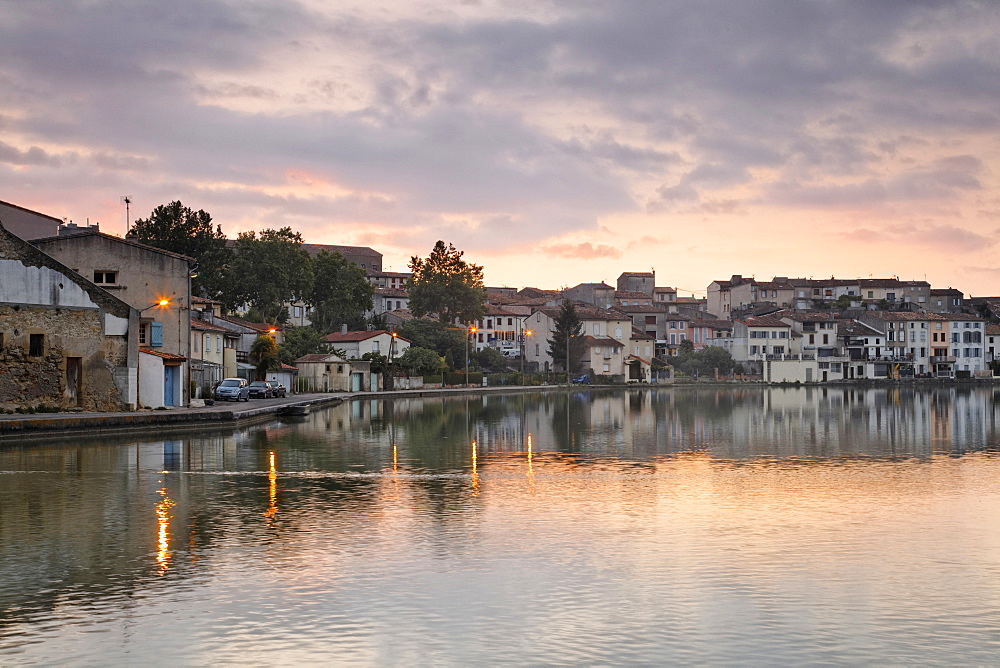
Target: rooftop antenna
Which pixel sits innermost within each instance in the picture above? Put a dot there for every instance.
(126, 200)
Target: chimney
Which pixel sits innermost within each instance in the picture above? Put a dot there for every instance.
(736, 279)
(343, 329)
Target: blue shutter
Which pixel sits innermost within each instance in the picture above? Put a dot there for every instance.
(156, 334)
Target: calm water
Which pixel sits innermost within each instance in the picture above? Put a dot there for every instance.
(748, 526)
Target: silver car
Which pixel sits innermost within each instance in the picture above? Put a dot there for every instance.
(232, 389)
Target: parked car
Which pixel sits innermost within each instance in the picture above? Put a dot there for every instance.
(259, 389)
(277, 389)
(232, 389)
(582, 380)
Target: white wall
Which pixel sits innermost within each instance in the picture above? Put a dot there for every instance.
(24, 284)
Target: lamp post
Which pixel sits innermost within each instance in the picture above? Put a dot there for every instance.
(524, 342)
(470, 332)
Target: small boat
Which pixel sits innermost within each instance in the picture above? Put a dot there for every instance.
(294, 410)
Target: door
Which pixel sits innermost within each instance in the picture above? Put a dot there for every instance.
(357, 381)
(169, 383)
(74, 395)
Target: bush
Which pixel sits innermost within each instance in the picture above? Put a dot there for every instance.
(458, 378)
(434, 379)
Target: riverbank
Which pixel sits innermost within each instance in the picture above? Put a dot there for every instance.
(221, 414)
(20, 425)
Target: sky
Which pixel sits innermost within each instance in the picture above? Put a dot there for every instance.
(553, 142)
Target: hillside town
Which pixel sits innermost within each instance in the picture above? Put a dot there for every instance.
(93, 321)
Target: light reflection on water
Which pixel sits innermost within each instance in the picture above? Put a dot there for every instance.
(749, 526)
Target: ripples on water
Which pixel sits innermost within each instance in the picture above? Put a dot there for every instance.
(769, 526)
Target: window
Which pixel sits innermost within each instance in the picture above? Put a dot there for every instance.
(196, 343)
(753, 350)
(375, 346)
(778, 350)
(298, 311)
(607, 368)
(218, 343)
(106, 277)
(142, 334)
(597, 329)
(36, 345)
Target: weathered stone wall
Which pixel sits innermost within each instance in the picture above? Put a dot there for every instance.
(28, 381)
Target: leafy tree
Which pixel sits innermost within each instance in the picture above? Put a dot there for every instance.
(491, 359)
(446, 285)
(341, 293)
(704, 362)
(299, 341)
(379, 362)
(269, 270)
(568, 330)
(447, 342)
(685, 347)
(421, 361)
(264, 356)
(176, 228)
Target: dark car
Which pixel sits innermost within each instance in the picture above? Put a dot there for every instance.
(582, 380)
(277, 389)
(232, 389)
(259, 389)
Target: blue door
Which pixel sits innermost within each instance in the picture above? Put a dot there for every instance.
(169, 382)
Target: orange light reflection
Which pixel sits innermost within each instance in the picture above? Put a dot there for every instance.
(475, 471)
(163, 531)
(272, 488)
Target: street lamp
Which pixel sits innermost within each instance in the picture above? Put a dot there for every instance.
(162, 302)
(524, 343)
(472, 330)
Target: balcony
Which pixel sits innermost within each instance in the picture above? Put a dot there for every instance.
(942, 359)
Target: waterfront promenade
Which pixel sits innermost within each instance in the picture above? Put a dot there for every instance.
(18, 424)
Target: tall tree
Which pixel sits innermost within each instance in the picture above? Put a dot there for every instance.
(446, 285)
(299, 341)
(341, 293)
(448, 342)
(264, 356)
(176, 228)
(269, 270)
(568, 331)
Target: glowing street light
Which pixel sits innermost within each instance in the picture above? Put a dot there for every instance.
(161, 303)
(472, 331)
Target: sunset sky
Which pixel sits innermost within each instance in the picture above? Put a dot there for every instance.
(553, 142)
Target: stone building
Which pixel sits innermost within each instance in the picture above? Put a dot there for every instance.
(142, 276)
(64, 341)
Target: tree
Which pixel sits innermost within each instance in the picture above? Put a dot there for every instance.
(491, 359)
(685, 347)
(704, 362)
(299, 341)
(340, 295)
(447, 342)
(379, 362)
(176, 228)
(264, 356)
(446, 285)
(568, 331)
(269, 270)
(420, 361)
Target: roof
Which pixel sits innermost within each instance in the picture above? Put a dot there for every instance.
(355, 337)
(712, 324)
(319, 357)
(992, 330)
(601, 285)
(27, 210)
(601, 341)
(261, 327)
(315, 249)
(947, 291)
(208, 327)
(167, 357)
(807, 316)
(92, 232)
(763, 321)
(392, 292)
(636, 274)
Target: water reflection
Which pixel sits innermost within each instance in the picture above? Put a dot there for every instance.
(757, 519)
